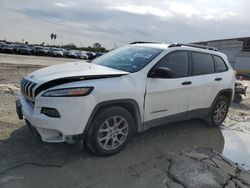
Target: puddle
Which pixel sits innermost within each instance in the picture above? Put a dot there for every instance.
(237, 147)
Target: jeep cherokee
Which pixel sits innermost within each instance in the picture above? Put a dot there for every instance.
(127, 90)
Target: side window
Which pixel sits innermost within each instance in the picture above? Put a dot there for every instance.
(220, 65)
(202, 64)
(177, 62)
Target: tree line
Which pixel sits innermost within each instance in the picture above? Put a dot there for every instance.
(97, 47)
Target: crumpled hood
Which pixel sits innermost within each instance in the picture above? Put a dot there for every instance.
(70, 70)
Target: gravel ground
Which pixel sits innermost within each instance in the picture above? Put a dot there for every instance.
(185, 154)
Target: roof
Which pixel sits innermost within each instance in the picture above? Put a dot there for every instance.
(165, 46)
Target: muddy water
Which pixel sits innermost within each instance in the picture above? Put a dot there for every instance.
(237, 147)
(194, 134)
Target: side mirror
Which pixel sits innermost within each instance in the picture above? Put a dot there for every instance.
(161, 72)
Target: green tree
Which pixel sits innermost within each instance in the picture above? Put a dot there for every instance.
(97, 45)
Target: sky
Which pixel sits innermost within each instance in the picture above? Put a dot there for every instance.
(84, 22)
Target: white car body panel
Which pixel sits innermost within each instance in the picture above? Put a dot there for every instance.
(161, 95)
(71, 70)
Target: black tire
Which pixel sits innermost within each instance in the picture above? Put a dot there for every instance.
(212, 118)
(105, 118)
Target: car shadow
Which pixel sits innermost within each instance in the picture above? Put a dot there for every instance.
(21, 148)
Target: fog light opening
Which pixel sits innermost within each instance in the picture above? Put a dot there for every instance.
(50, 112)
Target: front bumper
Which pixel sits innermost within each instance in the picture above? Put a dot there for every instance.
(19, 109)
(72, 121)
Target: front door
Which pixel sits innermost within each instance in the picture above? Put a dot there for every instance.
(169, 96)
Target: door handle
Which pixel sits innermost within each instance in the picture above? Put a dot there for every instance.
(218, 79)
(186, 83)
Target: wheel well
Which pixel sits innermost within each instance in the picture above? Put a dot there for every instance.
(130, 106)
(227, 94)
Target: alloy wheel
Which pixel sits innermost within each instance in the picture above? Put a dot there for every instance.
(113, 133)
(220, 112)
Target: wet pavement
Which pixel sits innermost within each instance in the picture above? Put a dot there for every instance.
(237, 146)
(25, 161)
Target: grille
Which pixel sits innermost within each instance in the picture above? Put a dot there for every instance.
(28, 89)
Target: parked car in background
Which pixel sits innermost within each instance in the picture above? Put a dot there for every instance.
(1, 44)
(15, 46)
(70, 54)
(90, 55)
(64, 51)
(7, 48)
(98, 54)
(35, 49)
(45, 51)
(41, 51)
(82, 55)
(55, 52)
(23, 49)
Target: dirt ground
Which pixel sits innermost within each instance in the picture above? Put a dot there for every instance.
(150, 159)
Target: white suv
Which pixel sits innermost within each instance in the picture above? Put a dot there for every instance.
(127, 90)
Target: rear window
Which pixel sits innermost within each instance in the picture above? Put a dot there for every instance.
(220, 65)
(202, 64)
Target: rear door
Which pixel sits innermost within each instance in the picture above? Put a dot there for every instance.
(204, 81)
(166, 97)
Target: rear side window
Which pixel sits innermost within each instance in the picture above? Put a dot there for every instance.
(220, 65)
(202, 64)
(177, 62)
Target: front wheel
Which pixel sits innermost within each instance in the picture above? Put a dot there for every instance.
(218, 112)
(110, 131)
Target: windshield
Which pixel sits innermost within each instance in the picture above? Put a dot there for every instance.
(129, 59)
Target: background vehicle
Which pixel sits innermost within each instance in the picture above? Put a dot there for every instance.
(70, 54)
(55, 52)
(1, 44)
(90, 55)
(240, 89)
(42, 51)
(23, 49)
(7, 48)
(35, 50)
(127, 90)
(98, 54)
(81, 55)
(15, 46)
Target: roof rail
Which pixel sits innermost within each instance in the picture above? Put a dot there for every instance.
(141, 42)
(193, 45)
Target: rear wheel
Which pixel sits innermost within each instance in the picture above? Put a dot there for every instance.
(110, 131)
(218, 112)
